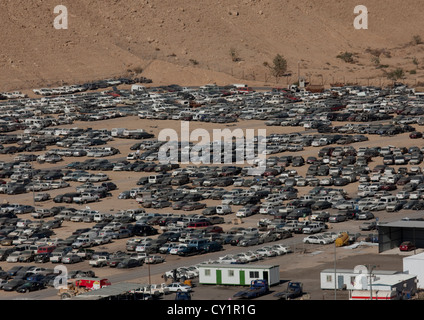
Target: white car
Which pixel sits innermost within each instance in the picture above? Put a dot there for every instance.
(244, 212)
(266, 252)
(312, 228)
(71, 258)
(402, 195)
(331, 235)
(249, 257)
(103, 239)
(281, 249)
(415, 195)
(13, 257)
(175, 249)
(98, 177)
(317, 239)
(232, 259)
(178, 287)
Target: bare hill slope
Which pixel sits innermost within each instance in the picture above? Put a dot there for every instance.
(189, 42)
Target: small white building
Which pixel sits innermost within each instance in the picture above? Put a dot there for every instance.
(415, 265)
(366, 285)
(238, 274)
(383, 282)
(395, 287)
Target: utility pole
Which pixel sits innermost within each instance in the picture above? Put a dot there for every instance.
(335, 273)
(370, 270)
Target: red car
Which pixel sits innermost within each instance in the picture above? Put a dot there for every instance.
(214, 229)
(406, 246)
(415, 135)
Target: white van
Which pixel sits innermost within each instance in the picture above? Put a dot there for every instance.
(227, 199)
(387, 199)
(156, 178)
(223, 209)
(87, 235)
(99, 217)
(134, 212)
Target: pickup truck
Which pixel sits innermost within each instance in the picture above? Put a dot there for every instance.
(257, 288)
(86, 197)
(312, 228)
(82, 243)
(84, 253)
(300, 226)
(294, 290)
(141, 256)
(290, 226)
(99, 261)
(162, 288)
(42, 213)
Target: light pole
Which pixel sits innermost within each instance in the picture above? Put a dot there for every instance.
(335, 273)
(298, 71)
(370, 269)
(32, 181)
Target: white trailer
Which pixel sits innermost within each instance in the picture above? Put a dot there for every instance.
(115, 132)
(129, 132)
(137, 88)
(361, 280)
(239, 275)
(414, 264)
(374, 295)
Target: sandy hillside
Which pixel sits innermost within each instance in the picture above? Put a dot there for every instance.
(189, 42)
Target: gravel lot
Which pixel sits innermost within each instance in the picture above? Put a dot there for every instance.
(303, 265)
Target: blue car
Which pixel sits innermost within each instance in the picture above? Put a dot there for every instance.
(35, 278)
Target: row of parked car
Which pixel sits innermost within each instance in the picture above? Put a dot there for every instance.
(27, 278)
(274, 193)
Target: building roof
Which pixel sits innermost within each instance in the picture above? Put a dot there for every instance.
(418, 256)
(352, 271)
(237, 266)
(404, 224)
(392, 280)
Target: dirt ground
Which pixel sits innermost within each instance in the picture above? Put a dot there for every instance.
(303, 266)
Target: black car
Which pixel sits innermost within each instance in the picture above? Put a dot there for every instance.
(4, 253)
(144, 230)
(30, 286)
(109, 186)
(42, 258)
(320, 205)
(13, 284)
(187, 251)
(14, 270)
(212, 247)
(129, 263)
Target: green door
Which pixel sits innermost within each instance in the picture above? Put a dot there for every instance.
(242, 278)
(218, 277)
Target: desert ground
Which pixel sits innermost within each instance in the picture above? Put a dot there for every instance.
(224, 42)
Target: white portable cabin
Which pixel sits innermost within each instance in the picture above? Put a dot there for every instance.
(373, 295)
(137, 88)
(415, 265)
(238, 274)
(361, 280)
(117, 131)
(396, 287)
